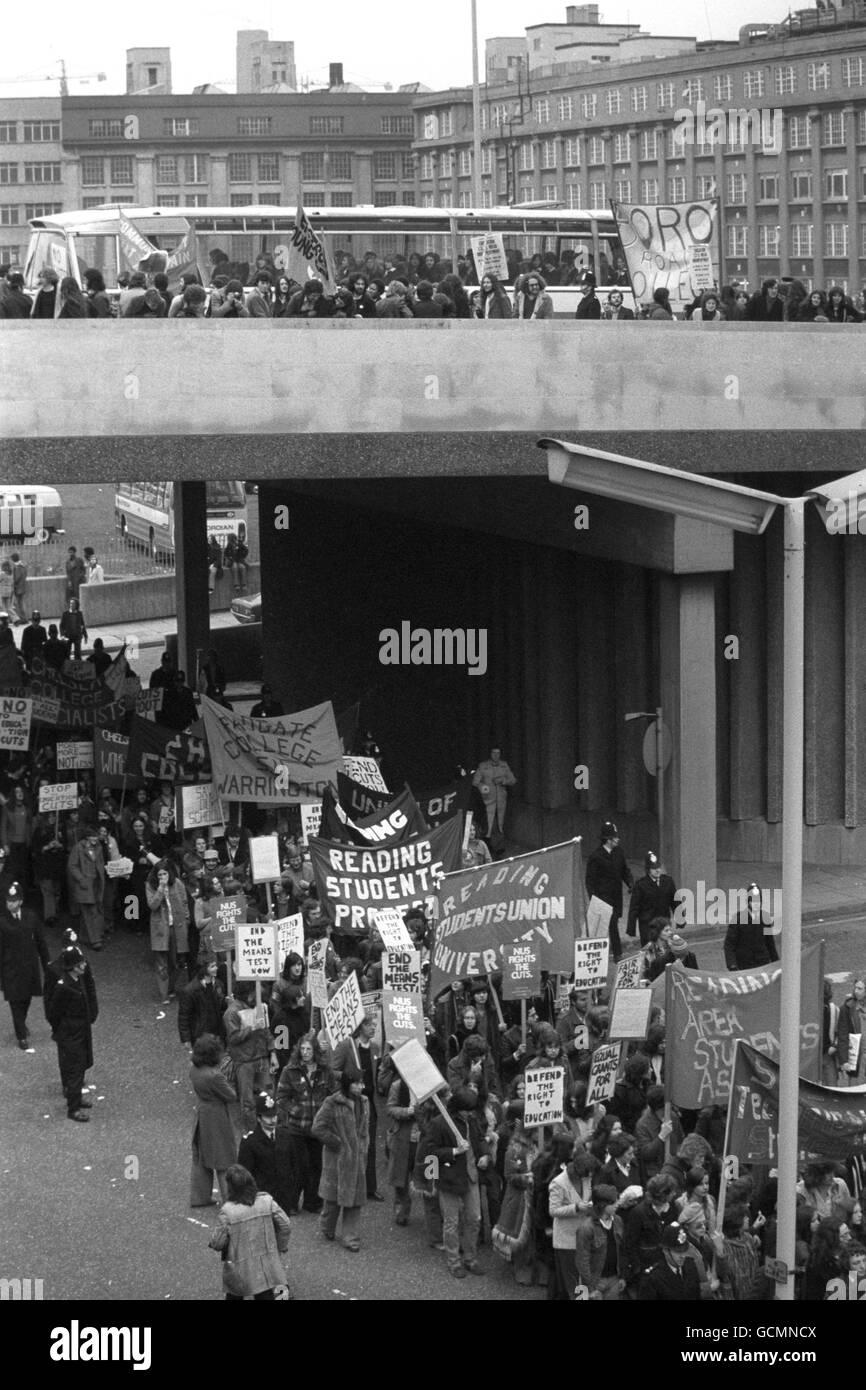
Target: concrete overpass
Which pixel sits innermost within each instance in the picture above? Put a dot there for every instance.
(406, 454)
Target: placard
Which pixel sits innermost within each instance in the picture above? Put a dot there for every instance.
(590, 962)
(393, 930)
(602, 1072)
(403, 1017)
(317, 982)
(521, 970)
(58, 796)
(290, 936)
(227, 912)
(419, 1071)
(488, 252)
(598, 915)
(345, 1011)
(630, 1014)
(118, 868)
(311, 820)
(264, 858)
(365, 771)
(15, 718)
(148, 703)
(543, 1096)
(401, 972)
(372, 1001)
(198, 807)
(629, 972)
(256, 951)
(73, 755)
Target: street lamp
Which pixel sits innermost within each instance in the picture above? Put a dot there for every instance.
(748, 510)
(660, 768)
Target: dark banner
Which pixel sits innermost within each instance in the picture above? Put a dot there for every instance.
(831, 1123)
(110, 752)
(80, 704)
(156, 752)
(354, 883)
(449, 800)
(391, 825)
(359, 801)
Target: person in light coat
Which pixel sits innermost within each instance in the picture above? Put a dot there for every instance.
(493, 777)
(342, 1128)
(531, 300)
(251, 1234)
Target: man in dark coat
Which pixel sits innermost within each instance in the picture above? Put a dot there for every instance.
(674, 1278)
(23, 957)
(644, 1226)
(265, 1154)
(606, 872)
(749, 941)
(200, 1007)
(33, 638)
(652, 896)
(72, 1011)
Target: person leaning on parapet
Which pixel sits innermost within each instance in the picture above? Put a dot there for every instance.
(766, 305)
(177, 303)
(311, 302)
(531, 300)
(259, 301)
(615, 308)
(590, 305)
(395, 302)
(233, 306)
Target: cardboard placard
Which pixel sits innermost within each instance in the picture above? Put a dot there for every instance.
(256, 951)
(590, 962)
(543, 1096)
(148, 703)
(73, 755)
(365, 771)
(118, 868)
(521, 970)
(290, 936)
(629, 972)
(630, 1014)
(401, 972)
(403, 1017)
(264, 858)
(58, 796)
(392, 929)
(198, 807)
(419, 1071)
(227, 912)
(345, 1011)
(372, 1001)
(317, 982)
(311, 820)
(602, 1072)
(16, 715)
(598, 915)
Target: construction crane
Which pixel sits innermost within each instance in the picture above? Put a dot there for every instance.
(52, 77)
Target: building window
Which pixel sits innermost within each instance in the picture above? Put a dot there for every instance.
(548, 154)
(464, 199)
(835, 238)
(92, 171)
(41, 210)
(41, 132)
(445, 200)
(326, 125)
(397, 125)
(676, 188)
(527, 193)
(705, 142)
(706, 185)
(833, 128)
(408, 199)
(613, 101)
(549, 193)
(599, 195)
(799, 132)
(722, 87)
(596, 150)
(384, 166)
(638, 98)
(622, 190)
(768, 188)
(254, 125)
(736, 241)
(167, 200)
(269, 168)
(427, 200)
(836, 184)
(753, 82)
(572, 196)
(487, 198)
(43, 173)
(407, 165)
(8, 173)
(240, 168)
(863, 239)
(676, 143)
(446, 164)
(861, 127)
(180, 125)
(313, 168)
(801, 187)
(446, 123)
(464, 163)
(736, 188)
(852, 72)
(196, 168)
(566, 108)
(649, 190)
(313, 199)
(649, 144)
(8, 132)
(107, 130)
(345, 200)
(542, 111)
(818, 76)
(166, 168)
(9, 217)
(665, 96)
(93, 201)
(768, 241)
(801, 239)
(588, 106)
(499, 114)
(486, 159)
(239, 200)
(382, 198)
(430, 126)
(572, 152)
(622, 148)
(202, 200)
(527, 158)
(693, 90)
(784, 81)
(426, 166)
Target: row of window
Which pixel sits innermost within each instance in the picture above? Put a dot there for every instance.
(242, 168)
(836, 240)
(32, 132)
(33, 173)
(112, 128)
(13, 216)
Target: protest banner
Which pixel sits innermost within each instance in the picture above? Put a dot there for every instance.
(392, 929)
(317, 954)
(590, 963)
(264, 858)
(628, 972)
(390, 824)
(708, 1010)
(660, 243)
(602, 1073)
(118, 868)
(534, 897)
(401, 972)
(311, 820)
(148, 703)
(159, 754)
(419, 1071)
(629, 1018)
(256, 951)
(74, 755)
(831, 1122)
(290, 758)
(488, 253)
(58, 796)
(543, 1096)
(198, 807)
(290, 936)
(598, 915)
(110, 751)
(364, 771)
(345, 1011)
(75, 704)
(16, 715)
(451, 799)
(354, 884)
(81, 670)
(227, 913)
(403, 1017)
(357, 800)
(521, 970)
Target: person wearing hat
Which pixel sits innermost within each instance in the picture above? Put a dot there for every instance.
(54, 969)
(674, 1278)
(652, 896)
(72, 1011)
(266, 707)
(750, 940)
(606, 872)
(86, 871)
(493, 777)
(33, 638)
(23, 958)
(589, 306)
(265, 1153)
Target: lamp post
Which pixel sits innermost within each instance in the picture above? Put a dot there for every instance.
(476, 114)
(660, 770)
(747, 510)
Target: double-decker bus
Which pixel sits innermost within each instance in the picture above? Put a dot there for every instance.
(144, 512)
(73, 242)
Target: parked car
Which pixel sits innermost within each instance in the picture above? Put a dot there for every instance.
(248, 609)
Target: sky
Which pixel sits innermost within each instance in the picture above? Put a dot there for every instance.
(377, 42)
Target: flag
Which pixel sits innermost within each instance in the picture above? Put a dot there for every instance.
(137, 253)
(831, 1122)
(393, 823)
(305, 255)
(156, 753)
(183, 258)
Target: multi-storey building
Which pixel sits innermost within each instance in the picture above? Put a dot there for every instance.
(790, 176)
(31, 169)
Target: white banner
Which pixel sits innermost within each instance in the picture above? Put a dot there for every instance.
(345, 1012)
(290, 936)
(15, 717)
(58, 796)
(256, 951)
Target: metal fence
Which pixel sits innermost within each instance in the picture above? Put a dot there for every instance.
(119, 559)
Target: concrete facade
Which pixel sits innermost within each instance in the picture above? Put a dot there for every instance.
(33, 173)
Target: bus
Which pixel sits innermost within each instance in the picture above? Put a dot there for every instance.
(73, 242)
(144, 512)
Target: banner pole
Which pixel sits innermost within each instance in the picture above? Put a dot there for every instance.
(496, 1004)
(523, 1021)
(668, 1070)
(723, 1186)
(447, 1118)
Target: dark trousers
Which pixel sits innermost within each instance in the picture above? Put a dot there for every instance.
(72, 1069)
(305, 1158)
(371, 1151)
(613, 932)
(18, 1008)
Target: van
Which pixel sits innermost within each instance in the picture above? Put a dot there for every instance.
(29, 513)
